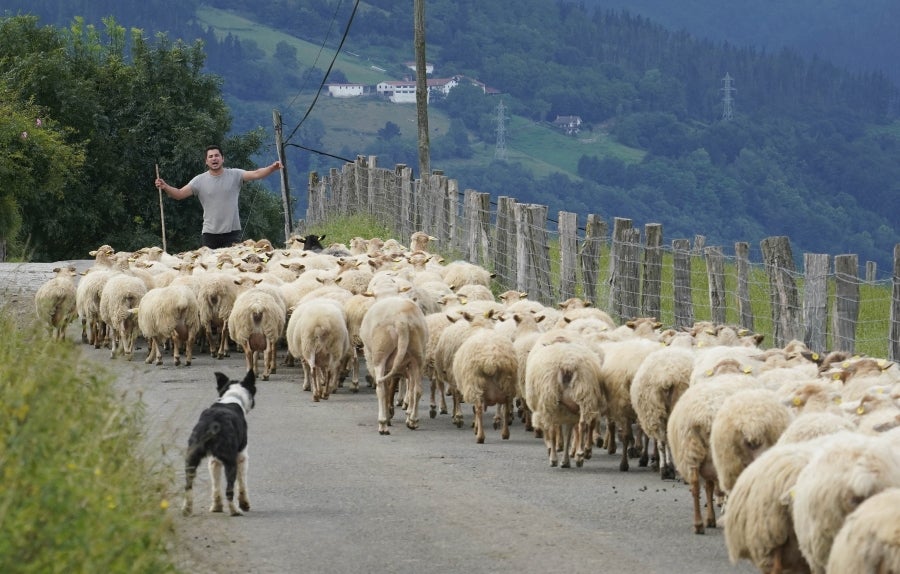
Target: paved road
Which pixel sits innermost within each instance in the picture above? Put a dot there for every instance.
(329, 494)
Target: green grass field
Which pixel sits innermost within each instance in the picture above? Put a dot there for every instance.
(354, 122)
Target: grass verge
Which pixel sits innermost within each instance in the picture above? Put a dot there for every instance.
(76, 496)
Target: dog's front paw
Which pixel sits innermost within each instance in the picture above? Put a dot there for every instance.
(244, 504)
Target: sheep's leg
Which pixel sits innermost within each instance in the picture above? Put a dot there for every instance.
(565, 433)
(586, 438)
(507, 411)
(414, 390)
(478, 409)
(666, 468)
(382, 391)
(243, 462)
(580, 431)
(270, 356)
(710, 503)
(627, 445)
(354, 370)
(189, 349)
(610, 437)
(694, 481)
(457, 409)
(176, 343)
(550, 442)
(432, 406)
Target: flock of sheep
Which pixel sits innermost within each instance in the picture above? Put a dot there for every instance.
(800, 450)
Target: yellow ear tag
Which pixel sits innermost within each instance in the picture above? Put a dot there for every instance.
(710, 332)
(860, 410)
(792, 493)
(798, 402)
(836, 376)
(815, 356)
(700, 343)
(709, 373)
(845, 364)
(883, 364)
(748, 369)
(879, 391)
(838, 400)
(856, 357)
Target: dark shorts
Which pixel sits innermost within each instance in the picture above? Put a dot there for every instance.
(217, 240)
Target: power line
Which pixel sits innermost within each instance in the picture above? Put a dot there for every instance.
(325, 76)
(319, 53)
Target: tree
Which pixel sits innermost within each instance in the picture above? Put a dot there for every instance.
(158, 109)
(389, 131)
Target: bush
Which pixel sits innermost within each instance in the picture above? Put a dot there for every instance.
(76, 496)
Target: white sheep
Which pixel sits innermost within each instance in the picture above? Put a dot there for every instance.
(87, 304)
(169, 312)
(447, 342)
(485, 369)
(663, 376)
(848, 469)
(355, 308)
(869, 540)
(121, 294)
(256, 323)
(621, 360)
(689, 435)
(215, 300)
(473, 292)
(746, 425)
(54, 301)
(394, 335)
(758, 524)
(317, 335)
(562, 387)
(809, 425)
(459, 273)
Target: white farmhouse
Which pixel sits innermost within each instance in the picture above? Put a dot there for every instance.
(346, 90)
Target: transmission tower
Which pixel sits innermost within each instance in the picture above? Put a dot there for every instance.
(727, 100)
(500, 151)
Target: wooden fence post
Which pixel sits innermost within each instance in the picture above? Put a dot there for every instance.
(629, 274)
(871, 271)
(620, 225)
(846, 302)
(505, 242)
(815, 301)
(568, 247)
(651, 286)
(715, 273)
(783, 293)
(315, 200)
(894, 342)
(594, 235)
(683, 305)
(745, 309)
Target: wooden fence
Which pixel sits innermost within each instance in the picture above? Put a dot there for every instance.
(615, 270)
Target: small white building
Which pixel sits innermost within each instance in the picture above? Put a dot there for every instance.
(403, 92)
(346, 90)
(429, 68)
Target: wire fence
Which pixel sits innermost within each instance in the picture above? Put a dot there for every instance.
(630, 274)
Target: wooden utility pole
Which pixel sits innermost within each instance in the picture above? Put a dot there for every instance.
(285, 188)
(421, 90)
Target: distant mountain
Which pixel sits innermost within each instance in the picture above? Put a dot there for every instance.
(860, 36)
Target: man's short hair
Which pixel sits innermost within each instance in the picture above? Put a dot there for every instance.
(209, 148)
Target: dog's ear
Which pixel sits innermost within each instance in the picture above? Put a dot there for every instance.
(249, 382)
(222, 383)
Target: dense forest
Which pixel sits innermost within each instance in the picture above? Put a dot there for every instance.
(811, 150)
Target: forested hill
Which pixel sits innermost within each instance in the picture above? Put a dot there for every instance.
(857, 35)
(811, 150)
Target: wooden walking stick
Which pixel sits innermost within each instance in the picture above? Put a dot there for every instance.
(162, 214)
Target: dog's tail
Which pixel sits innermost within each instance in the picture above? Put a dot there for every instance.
(197, 449)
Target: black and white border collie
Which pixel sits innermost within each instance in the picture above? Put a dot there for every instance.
(221, 435)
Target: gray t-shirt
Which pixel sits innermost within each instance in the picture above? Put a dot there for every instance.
(218, 194)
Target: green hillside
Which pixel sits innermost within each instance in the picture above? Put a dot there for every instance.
(353, 123)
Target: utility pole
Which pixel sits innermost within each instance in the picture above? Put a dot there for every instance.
(285, 188)
(421, 90)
